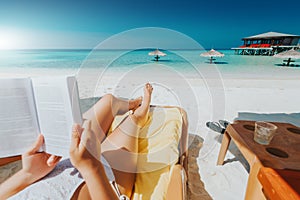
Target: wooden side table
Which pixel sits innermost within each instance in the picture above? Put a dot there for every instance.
(281, 153)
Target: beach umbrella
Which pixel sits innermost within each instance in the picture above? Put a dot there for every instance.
(211, 54)
(157, 54)
(290, 54)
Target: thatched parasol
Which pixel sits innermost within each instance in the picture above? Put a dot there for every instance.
(157, 54)
(290, 54)
(212, 53)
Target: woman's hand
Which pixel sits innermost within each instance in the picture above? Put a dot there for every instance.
(85, 148)
(36, 164)
(85, 153)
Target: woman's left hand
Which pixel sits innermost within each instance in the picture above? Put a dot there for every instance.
(36, 164)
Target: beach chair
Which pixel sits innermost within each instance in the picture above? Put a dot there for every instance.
(162, 161)
(176, 127)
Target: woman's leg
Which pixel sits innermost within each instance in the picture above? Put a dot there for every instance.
(102, 115)
(104, 111)
(120, 147)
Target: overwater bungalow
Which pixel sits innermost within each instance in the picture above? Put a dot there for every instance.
(268, 44)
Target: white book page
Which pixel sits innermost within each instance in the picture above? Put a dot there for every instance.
(74, 98)
(54, 113)
(18, 121)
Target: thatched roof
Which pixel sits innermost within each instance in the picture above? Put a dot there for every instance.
(269, 35)
(212, 53)
(156, 53)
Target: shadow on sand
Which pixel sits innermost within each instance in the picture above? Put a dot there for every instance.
(159, 61)
(218, 63)
(284, 65)
(196, 189)
(87, 103)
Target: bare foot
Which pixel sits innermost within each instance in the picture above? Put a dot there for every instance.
(141, 113)
(147, 94)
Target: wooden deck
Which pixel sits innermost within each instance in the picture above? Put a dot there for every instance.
(263, 51)
(253, 51)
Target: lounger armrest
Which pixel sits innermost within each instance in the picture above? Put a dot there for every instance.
(280, 184)
(4, 161)
(177, 185)
(183, 161)
(183, 145)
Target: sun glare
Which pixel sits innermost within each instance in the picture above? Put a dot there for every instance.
(9, 40)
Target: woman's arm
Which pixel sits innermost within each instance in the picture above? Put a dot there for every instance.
(35, 165)
(14, 184)
(84, 155)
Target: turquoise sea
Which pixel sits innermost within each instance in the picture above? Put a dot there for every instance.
(182, 60)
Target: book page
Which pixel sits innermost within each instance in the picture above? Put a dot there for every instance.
(55, 114)
(18, 122)
(74, 99)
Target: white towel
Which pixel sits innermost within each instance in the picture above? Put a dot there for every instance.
(60, 184)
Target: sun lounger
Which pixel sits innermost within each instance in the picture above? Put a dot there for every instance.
(162, 162)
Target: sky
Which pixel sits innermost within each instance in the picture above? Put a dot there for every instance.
(82, 24)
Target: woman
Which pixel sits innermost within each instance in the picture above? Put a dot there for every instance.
(119, 149)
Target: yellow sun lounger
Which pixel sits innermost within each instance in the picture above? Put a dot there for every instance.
(162, 160)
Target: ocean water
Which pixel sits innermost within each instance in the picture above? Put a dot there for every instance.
(184, 61)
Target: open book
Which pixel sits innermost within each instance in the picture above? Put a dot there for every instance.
(30, 106)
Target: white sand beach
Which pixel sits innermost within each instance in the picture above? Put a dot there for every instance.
(215, 62)
(204, 100)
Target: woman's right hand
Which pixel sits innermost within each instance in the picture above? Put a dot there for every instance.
(85, 149)
(85, 154)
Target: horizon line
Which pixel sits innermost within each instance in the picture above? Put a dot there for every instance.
(112, 49)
